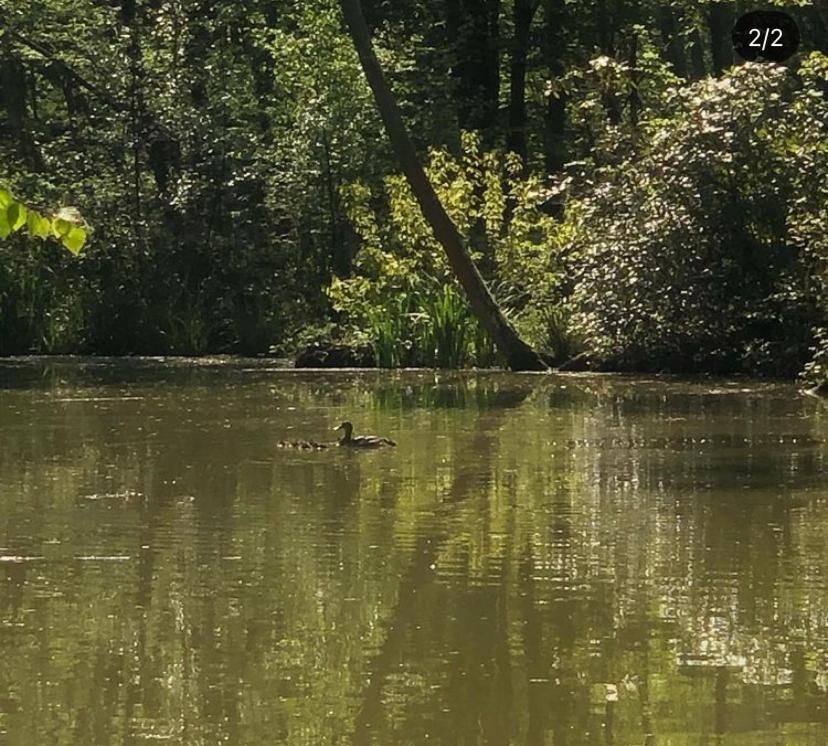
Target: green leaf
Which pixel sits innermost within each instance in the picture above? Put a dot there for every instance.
(67, 224)
(16, 215)
(74, 239)
(45, 228)
(39, 227)
(60, 227)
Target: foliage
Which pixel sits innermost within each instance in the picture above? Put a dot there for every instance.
(691, 253)
(36, 302)
(816, 370)
(244, 195)
(446, 335)
(66, 224)
(402, 289)
(218, 226)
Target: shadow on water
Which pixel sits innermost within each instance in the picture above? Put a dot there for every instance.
(565, 559)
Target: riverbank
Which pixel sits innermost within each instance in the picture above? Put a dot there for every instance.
(30, 368)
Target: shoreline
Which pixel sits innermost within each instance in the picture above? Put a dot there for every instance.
(286, 365)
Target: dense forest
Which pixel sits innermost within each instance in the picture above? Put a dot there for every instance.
(635, 195)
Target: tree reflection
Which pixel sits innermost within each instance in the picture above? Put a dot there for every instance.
(567, 560)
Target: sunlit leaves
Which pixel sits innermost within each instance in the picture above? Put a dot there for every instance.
(16, 215)
(38, 226)
(74, 238)
(700, 249)
(399, 258)
(66, 225)
(6, 201)
(817, 369)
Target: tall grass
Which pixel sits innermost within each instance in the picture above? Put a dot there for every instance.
(392, 330)
(552, 329)
(433, 329)
(561, 334)
(40, 310)
(448, 331)
(385, 339)
(189, 331)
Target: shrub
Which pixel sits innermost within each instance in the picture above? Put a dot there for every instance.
(701, 249)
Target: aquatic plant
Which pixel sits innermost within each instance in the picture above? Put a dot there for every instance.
(392, 331)
(447, 332)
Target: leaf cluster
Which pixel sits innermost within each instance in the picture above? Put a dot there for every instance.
(704, 248)
(66, 224)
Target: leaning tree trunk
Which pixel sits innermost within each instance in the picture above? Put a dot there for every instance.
(519, 355)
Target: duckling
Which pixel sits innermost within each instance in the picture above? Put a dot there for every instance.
(361, 441)
(304, 445)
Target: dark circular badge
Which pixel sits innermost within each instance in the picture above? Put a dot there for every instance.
(765, 36)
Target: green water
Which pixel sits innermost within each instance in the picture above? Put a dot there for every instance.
(541, 560)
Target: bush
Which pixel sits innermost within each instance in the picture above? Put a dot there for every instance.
(816, 371)
(701, 250)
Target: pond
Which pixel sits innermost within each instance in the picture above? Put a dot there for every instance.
(542, 559)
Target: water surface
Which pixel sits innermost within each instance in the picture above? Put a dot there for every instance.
(542, 559)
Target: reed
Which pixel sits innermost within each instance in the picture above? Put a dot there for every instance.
(448, 330)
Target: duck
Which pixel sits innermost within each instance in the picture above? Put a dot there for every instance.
(361, 441)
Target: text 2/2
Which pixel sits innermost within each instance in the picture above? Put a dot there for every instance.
(761, 39)
(765, 36)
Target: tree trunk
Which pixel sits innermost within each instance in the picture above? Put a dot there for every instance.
(673, 42)
(697, 64)
(13, 88)
(473, 28)
(634, 97)
(604, 16)
(519, 355)
(554, 118)
(524, 12)
(721, 20)
(818, 23)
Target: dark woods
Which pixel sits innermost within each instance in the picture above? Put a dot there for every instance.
(634, 197)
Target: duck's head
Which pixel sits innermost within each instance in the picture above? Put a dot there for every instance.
(346, 427)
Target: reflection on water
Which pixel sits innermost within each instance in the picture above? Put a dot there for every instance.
(541, 560)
